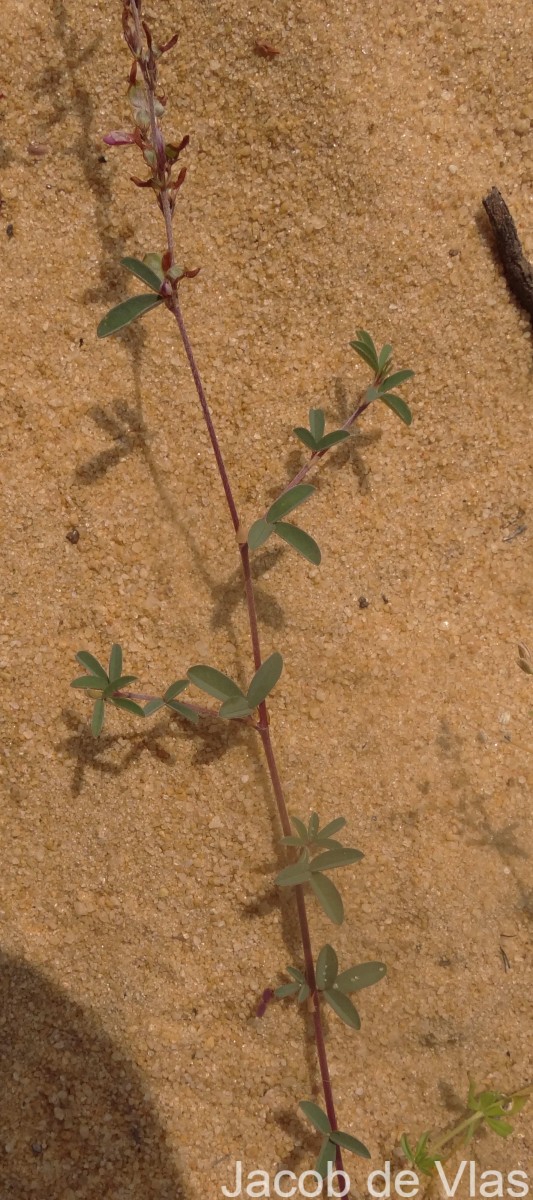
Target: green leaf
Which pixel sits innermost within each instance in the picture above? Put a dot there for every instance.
(128, 706)
(329, 859)
(349, 1143)
(265, 679)
(328, 843)
(365, 348)
(91, 664)
(154, 262)
(89, 681)
(306, 437)
(359, 977)
(328, 897)
(236, 706)
(292, 840)
(123, 314)
(214, 682)
(316, 1116)
(333, 438)
(98, 717)
(114, 685)
(297, 873)
(383, 357)
(366, 339)
(300, 827)
(328, 1153)
(332, 827)
(317, 422)
(398, 406)
(300, 541)
(175, 688)
(152, 707)
(287, 989)
(393, 381)
(304, 993)
(327, 968)
(259, 533)
(115, 662)
(372, 393)
(502, 1128)
(296, 974)
(143, 271)
(183, 710)
(313, 827)
(343, 1006)
(288, 501)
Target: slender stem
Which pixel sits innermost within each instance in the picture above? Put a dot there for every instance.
(206, 412)
(264, 725)
(264, 731)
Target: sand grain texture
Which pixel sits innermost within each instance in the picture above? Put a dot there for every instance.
(335, 186)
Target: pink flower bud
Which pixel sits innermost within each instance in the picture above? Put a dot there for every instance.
(119, 138)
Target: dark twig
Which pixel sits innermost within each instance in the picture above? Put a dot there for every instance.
(518, 271)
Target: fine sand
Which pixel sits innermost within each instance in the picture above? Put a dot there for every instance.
(335, 186)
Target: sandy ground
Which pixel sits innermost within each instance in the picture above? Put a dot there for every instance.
(334, 187)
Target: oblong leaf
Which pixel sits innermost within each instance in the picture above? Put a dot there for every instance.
(393, 381)
(359, 977)
(349, 1143)
(128, 706)
(398, 406)
(296, 974)
(152, 707)
(333, 827)
(183, 710)
(265, 679)
(344, 1008)
(296, 873)
(98, 717)
(114, 685)
(328, 897)
(123, 314)
(327, 968)
(306, 437)
(175, 688)
(304, 993)
(91, 663)
(291, 840)
(258, 533)
(236, 707)
(89, 681)
(330, 859)
(214, 682)
(316, 1116)
(328, 1153)
(313, 827)
(289, 501)
(300, 541)
(115, 661)
(287, 989)
(383, 357)
(333, 438)
(365, 348)
(317, 422)
(299, 826)
(142, 271)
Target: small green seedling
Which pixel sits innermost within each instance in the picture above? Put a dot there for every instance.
(492, 1109)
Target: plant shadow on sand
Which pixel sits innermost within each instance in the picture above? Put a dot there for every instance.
(76, 1117)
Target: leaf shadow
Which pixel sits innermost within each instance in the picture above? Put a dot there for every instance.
(105, 755)
(347, 452)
